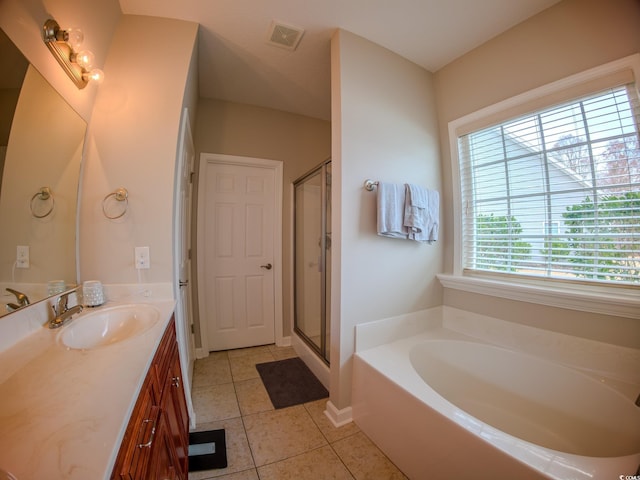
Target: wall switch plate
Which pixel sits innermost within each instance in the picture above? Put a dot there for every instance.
(142, 259)
(22, 256)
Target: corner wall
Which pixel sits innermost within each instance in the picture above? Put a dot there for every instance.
(570, 37)
(384, 128)
(131, 143)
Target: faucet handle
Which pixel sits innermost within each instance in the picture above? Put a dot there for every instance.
(62, 304)
(22, 299)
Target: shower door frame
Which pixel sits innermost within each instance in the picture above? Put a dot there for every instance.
(323, 350)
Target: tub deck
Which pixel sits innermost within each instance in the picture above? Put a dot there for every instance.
(427, 436)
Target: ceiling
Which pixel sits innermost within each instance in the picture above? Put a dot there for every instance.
(237, 64)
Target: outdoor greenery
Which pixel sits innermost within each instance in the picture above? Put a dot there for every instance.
(602, 240)
(605, 237)
(498, 245)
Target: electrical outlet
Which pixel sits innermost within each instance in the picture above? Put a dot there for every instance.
(142, 259)
(22, 256)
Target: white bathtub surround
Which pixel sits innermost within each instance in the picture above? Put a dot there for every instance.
(436, 430)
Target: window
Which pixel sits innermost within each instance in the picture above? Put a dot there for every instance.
(574, 169)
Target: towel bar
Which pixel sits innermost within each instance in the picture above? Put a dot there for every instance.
(370, 185)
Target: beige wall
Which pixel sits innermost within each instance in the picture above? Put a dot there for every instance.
(132, 143)
(299, 142)
(570, 37)
(8, 101)
(384, 128)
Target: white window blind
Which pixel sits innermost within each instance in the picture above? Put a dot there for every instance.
(556, 193)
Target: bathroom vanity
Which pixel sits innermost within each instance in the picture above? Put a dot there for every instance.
(82, 413)
(156, 442)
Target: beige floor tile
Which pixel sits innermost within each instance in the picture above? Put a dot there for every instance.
(243, 352)
(321, 463)
(282, 353)
(244, 367)
(364, 460)
(280, 434)
(239, 457)
(253, 397)
(213, 370)
(217, 402)
(246, 475)
(332, 434)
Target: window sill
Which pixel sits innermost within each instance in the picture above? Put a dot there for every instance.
(617, 302)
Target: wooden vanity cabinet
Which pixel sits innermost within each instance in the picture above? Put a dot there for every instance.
(156, 443)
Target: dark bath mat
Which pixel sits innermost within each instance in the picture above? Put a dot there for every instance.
(207, 450)
(290, 382)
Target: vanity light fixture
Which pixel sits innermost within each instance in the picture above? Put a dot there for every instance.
(64, 46)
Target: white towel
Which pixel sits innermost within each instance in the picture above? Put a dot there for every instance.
(391, 199)
(422, 213)
(416, 215)
(434, 216)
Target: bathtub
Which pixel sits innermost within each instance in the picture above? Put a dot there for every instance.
(450, 394)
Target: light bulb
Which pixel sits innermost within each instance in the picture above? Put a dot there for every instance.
(74, 37)
(96, 75)
(85, 59)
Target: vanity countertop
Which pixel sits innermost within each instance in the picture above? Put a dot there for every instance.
(63, 412)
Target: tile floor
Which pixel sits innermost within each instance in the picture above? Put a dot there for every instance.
(297, 443)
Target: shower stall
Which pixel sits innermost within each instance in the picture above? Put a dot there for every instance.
(312, 258)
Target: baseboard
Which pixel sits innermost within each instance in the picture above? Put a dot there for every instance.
(284, 342)
(312, 360)
(338, 417)
(201, 353)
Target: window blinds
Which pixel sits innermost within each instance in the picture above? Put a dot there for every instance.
(556, 193)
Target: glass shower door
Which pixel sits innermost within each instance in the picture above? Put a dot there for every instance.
(312, 258)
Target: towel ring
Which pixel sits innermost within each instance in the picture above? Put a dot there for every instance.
(120, 195)
(43, 194)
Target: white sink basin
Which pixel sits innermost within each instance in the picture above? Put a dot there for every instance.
(107, 326)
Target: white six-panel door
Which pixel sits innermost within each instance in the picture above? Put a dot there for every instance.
(237, 225)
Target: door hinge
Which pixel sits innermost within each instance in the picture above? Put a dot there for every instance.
(193, 330)
(189, 254)
(191, 177)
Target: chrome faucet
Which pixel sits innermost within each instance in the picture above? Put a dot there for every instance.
(62, 312)
(22, 299)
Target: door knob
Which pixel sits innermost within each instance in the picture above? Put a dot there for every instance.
(268, 266)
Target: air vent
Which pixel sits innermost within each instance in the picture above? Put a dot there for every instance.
(284, 36)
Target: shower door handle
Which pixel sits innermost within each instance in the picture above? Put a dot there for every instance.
(268, 266)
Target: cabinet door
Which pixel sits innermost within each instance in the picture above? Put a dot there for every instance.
(163, 464)
(175, 405)
(133, 458)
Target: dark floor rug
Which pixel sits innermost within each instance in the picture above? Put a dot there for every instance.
(207, 450)
(290, 382)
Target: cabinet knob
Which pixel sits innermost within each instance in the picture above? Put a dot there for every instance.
(175, 381)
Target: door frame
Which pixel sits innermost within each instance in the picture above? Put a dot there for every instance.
(275, 165)
(184, 323)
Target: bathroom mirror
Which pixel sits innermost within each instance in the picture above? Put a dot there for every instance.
(41, 143)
